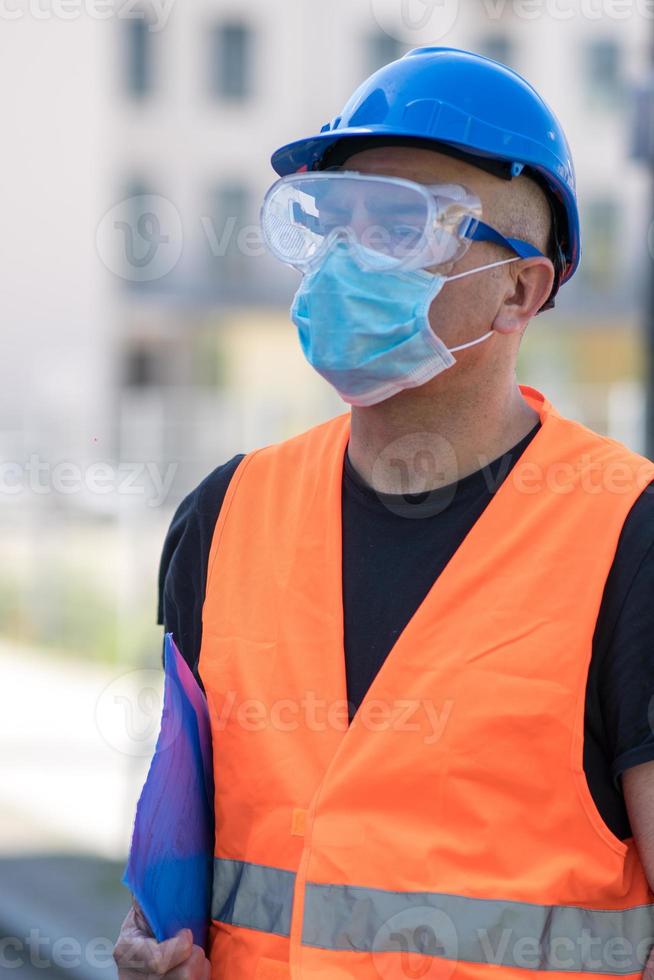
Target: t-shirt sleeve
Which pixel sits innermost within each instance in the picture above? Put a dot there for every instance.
(185, 558)
(626, 678)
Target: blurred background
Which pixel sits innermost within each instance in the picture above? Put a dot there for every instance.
(147, 340)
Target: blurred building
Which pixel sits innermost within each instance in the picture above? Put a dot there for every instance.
(155, 141)
(208, 349)
(206, 100)
(147, 330)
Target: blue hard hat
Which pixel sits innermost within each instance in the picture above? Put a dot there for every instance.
(465, 104)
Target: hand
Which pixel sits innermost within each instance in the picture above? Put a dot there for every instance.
(138, 954)
(649, 967)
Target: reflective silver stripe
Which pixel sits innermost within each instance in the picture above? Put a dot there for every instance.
(474, 930)
(562, 938)
(252, 895)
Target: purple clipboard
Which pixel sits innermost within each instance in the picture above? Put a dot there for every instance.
(170, 864)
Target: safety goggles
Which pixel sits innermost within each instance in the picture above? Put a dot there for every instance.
(390, 222)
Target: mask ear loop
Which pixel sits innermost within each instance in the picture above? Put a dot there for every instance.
(493, 265)
(471, 343)
(469, 272)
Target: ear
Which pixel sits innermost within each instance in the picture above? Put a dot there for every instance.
(532, 283)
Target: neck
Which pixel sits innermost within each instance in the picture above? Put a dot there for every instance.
(437, 434)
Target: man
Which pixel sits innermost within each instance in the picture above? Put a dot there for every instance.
(424, 627)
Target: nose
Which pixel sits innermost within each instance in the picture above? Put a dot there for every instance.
(359, 220)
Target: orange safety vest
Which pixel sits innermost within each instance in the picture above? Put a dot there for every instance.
(448, 831)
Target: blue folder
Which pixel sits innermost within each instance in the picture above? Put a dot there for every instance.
(170, 865)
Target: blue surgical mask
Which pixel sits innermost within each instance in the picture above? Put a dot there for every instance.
(368, 332)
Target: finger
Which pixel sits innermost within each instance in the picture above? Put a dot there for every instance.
(135, 923)
(196, 967)
(142, 954)
(162, 958)
(140, 919)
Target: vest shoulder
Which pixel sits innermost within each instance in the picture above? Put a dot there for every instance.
(602, 446)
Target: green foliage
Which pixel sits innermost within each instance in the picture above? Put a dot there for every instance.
(73, 616)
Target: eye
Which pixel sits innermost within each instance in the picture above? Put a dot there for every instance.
(405, 238)
(405, 231)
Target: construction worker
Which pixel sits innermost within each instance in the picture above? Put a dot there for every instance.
(424, 627)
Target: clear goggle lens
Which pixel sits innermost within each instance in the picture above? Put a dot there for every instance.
(397, 223)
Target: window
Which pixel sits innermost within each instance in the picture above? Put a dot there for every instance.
(136, 188)
(601, 227)
(604, 80)
(381, 49)
(226, 233)
(138, 56)
(230, 61)
(137, 234)
(498, 47)
(141, 367)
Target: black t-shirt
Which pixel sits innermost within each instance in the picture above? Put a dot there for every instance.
(394, 547)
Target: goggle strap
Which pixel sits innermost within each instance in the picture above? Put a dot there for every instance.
(481, 232)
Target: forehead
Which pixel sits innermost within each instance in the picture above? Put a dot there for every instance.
(428, 167)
